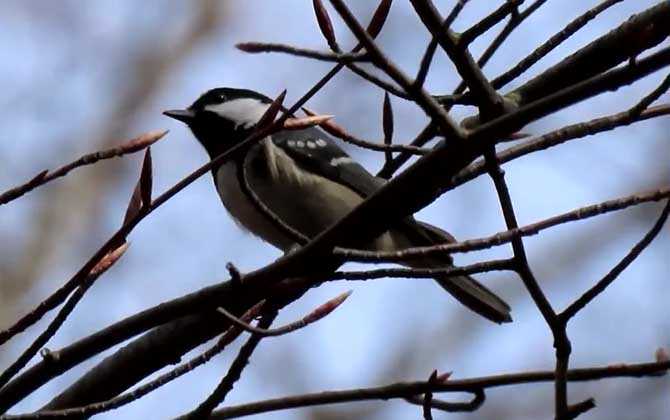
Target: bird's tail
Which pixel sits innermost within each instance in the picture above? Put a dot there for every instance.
(476, 297)
(464, 288)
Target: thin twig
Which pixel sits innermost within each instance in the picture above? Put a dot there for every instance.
(640, 33)
(138, 143)
(338, 131)
(560, 136)
(448, 127)
(479, 28)
(427, 57)
(571, 94)
(506, 236)
(644, 103)
(406, 389)
(553, 42)
(428, 132)
(558, 330)
(576, 410)
(424, 136)
(490, 102)
(105, 264)
(382, 84)
(632, 255)
(317, 314)
(266, 47)
(226, 385)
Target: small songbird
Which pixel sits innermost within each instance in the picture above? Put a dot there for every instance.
(307, 181)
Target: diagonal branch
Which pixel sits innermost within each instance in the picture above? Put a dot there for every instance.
(104, 265)
(131, 146)
(99, 407)
(553, 42)
(609, 278)
(560, 136)
(507, 8)
(506, 236)
(485, 95)
(429, 132)
(233, 375)
(317, 314)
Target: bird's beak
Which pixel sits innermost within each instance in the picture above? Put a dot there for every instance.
(184, 115)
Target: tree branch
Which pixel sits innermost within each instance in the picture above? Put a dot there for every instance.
(405, 389)
(135, 145)
(609, 278)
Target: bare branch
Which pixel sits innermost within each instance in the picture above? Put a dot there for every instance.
(487, 98)
(609, 278)
(481, 27)
(228, 337)
(427, 57)
(560, 136)
(554, 41)
(310, 318)
(100, 268)
(338, 131)
(429, 131)
(226, 385)
(636, 35)
(425, 101)
(131, 146)
(407, 389)
(267, 47)
(644, 103)
(506, 236)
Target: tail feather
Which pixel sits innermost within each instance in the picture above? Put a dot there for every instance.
(465, 289)
(476, 297)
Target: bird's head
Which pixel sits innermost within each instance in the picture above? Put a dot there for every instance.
(221, 117)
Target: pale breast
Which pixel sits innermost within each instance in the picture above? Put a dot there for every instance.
(242, 210)
(307, 202)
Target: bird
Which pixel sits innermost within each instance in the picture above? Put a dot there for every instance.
(307, 181)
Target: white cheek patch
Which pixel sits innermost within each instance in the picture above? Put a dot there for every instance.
(245, 112)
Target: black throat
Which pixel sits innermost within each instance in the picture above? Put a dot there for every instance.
(217, 138)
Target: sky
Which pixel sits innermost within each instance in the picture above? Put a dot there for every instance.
(79, 77)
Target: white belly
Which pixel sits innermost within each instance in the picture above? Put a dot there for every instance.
(243, 212)
(309, 203)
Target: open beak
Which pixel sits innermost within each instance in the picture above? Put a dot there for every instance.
(184, 115)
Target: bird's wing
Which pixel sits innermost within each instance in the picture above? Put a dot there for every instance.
(317, 153)
(314, 150)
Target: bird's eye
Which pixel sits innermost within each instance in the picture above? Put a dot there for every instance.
(222, 97)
